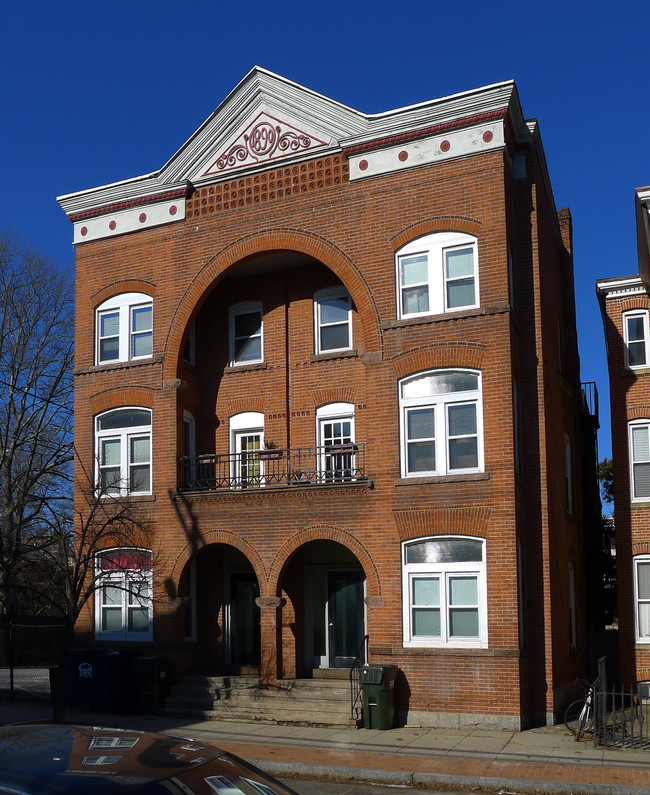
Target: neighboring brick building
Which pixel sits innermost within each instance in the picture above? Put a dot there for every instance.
(625, 305)
(389, 301)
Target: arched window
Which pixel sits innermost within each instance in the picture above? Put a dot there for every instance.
(124, 328)
(123, 451)
(123, 598)
(441, 423)
(444, 590)
(437, 273)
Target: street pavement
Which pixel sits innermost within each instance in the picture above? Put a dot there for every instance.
(544, 760)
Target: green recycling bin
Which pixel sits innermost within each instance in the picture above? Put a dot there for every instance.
(378, 692)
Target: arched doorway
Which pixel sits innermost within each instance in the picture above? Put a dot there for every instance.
(326, 584)
(219, 587)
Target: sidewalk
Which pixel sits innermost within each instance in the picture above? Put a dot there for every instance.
(537, 760)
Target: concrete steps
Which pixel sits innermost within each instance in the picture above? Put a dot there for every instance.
(304, 702)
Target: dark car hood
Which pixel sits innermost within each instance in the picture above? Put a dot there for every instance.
(44, 760)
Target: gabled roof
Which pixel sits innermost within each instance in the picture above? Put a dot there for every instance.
(268, 120)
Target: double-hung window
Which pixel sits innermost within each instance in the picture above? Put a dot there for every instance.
(636, 335)
(639, 443)
(123, 451)
(441, 423)
(124, 328)
(333, 320)
(642, 598)
(444, 592)
(246, 338)
(437, 273)
(123, 598)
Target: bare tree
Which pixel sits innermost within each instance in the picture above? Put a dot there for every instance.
(48, 550)
(36, 356)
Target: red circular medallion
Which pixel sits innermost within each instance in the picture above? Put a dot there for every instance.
(445, 146)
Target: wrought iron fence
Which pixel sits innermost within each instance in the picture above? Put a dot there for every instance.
(253, 469)
(621, 718)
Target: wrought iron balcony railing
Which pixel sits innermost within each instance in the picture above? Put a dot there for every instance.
(291, 468)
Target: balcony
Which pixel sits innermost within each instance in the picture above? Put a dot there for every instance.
(300, 467)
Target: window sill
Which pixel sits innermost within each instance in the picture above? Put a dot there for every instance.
(444, 317)
(466, 478)
(100, 368)
(240, 368)
(324, 357)
(632, 372)
(441, 651)
(643, 502)
(134, 497)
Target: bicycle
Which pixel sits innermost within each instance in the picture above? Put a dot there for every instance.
(579, 715)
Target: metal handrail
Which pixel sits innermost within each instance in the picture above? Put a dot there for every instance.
(355, 675)
(290, 468)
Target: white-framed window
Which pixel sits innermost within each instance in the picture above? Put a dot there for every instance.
(124, 328)
(639, 444)
(124, 598)
(572, 607)
(437, 273)
(246, 442)
(441, 423)
(332, 320)
(444, 591)
(642, 598)
(636, 335)
(568, 474)
(337, 450)
(123, 451)
(246, 333)
(189, 351)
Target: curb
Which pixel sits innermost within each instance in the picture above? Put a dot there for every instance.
(434, 781)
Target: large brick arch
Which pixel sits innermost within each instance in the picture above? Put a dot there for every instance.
(324, 532)
(260, 243)
(442, 223)
(122, 396)
(446, 354)
(231, 539)
(123, 286)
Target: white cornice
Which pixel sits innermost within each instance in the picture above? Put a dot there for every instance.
(620, 287)
(329, 126)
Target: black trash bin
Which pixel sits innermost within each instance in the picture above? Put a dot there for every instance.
(100, 678)
(152, 679)
(378, 691)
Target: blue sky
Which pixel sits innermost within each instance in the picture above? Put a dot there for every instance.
(97, 92)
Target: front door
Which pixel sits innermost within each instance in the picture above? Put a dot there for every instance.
(345, 616)
(244, 625)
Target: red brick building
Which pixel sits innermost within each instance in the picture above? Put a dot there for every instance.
(625, 305)
(334, 357)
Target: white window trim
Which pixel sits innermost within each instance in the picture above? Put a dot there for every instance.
(245, 308)
(120, 577)
(568, 473)
(348, 461)
(123, 304)
(645, 559)
(321, 295)
(124, 434)
(247, 423)
(441, 403)
(644, 423)
(642, 313)
(435, 248)
(411, 571)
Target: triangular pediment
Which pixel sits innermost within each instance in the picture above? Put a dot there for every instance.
(266, 119)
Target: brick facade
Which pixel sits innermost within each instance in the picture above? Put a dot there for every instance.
(276, 234)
